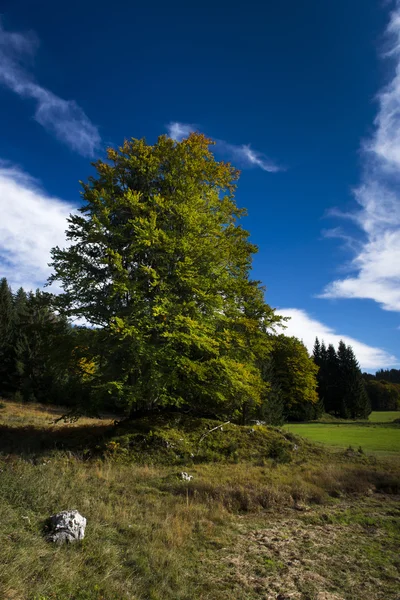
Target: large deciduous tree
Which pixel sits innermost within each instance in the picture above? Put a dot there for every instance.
(158, 261)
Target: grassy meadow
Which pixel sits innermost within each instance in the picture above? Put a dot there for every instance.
(384, 416)
(292, 521)
(379, 435)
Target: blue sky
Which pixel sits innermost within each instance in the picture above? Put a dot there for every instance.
(303, 97)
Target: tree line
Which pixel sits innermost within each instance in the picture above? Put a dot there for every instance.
(158, 267)
(41, 355)
(383, 389)
(44, 358)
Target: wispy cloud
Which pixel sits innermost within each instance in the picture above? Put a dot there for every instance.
(31, 224)
(376, 264)
(63, 118)
(306, 328)
(247, 157)
(244, 155)
(178, 131)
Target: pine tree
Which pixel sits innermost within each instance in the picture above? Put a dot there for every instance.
(40, 343)
(317, 352)
(320, 359)
(353, 399)
(7, 361)
(20, 312)
(20, 304)
(340, 382)
(331, 373)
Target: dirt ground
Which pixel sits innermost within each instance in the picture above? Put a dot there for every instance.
(346, 552)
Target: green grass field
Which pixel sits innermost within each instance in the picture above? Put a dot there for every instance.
(376, 436)
(384, 417)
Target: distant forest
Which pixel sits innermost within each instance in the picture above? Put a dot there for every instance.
(383, 389)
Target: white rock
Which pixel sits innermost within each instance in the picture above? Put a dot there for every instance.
(67, 526)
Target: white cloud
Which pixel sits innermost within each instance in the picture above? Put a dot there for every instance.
(178, 131)
(31, 224)
(247, 155)
(243, 154)
(306, 328)
(63, 118)
(376, 265)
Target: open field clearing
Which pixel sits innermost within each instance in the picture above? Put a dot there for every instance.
(384, 416)
(382, 440)
(379, 435)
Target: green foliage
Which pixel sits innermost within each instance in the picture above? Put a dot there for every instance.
(383, 395)
(42, 358)
(159, 261)
(295, 373)
(272, 408)
(40, 343)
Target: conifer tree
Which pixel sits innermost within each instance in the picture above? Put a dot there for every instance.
(340, 383)
(20, 313)
(321, 359)
(354, 401)
(318, 359)
(317, 352)
(40, 348)
(392, 375)
(332, 377)
(7, 360)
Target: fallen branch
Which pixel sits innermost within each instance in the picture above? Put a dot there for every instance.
(208, 432)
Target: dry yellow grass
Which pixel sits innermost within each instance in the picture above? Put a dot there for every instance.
(42, 415)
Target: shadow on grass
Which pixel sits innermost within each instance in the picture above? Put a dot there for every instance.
(83, 440)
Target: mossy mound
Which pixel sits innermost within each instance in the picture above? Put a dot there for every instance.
(181, 439)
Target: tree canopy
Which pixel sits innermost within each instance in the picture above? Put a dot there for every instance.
(159, 261)
(295, 372)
